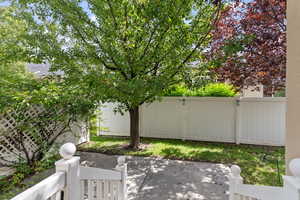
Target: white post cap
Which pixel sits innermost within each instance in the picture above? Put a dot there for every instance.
(121, 160)
(235, 171)
(294, 166)
(67, 151)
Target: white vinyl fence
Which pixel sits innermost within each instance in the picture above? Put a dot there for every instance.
(219, 119)
(74, 182)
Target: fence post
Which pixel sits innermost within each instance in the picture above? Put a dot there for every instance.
(122, 167)
(141, 112)
(292, 183)
(70, 165)
(238, 120)
(234, 180)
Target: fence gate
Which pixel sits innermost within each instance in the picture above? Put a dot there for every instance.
(74, 182)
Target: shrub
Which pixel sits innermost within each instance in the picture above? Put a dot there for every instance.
(177, 91)
(216, 90)
(210, 90)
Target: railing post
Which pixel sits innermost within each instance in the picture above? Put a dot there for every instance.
(70, 165)
(234, 180)
(122, 167)
(292, 183)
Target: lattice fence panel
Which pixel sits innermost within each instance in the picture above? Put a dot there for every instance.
(10, 134)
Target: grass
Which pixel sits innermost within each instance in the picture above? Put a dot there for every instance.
(257, 168)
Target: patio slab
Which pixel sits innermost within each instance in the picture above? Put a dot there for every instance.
(163, 179)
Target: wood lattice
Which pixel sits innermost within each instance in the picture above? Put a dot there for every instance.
(9, 134)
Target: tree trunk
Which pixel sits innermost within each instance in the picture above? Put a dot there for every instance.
(134, 128)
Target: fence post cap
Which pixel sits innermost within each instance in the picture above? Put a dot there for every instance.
(121, 160)
(294, 166)
(67, 151)
(235, 171)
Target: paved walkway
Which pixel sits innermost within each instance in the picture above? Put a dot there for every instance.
(162, 179)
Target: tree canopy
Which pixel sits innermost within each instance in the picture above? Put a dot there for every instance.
(123, 51)
(40, 109)
(249, 44)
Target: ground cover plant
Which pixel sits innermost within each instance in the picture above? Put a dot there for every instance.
(14, 184)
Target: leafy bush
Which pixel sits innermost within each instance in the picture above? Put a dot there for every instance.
(10, 185)
(210, 90)
(280, 93)
(178, 90)
(216, 90)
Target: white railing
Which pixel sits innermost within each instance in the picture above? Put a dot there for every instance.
(74, 182)
(49, 188)
(289, 191)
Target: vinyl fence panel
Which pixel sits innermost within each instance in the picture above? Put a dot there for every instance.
(262, 121)
(217, 119)
(210, 119)
(112, 123)
(163, 119)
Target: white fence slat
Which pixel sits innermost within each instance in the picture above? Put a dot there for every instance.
(91, 190)
(82, 190)
(45, 189)
(99, 190)
(106, 190)
(116, 189)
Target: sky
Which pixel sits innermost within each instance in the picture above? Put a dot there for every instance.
(4, 3)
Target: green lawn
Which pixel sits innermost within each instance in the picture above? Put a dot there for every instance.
(255, 169)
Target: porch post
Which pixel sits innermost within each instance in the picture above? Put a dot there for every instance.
(70, 165)
(292, 183)
(293, 81)
(234, 180)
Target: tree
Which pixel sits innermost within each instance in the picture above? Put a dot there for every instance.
(13, 76)
(34, 111)
(127, 52)
(249, 44)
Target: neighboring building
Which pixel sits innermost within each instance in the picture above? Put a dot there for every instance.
(253, 91)
(41, 69)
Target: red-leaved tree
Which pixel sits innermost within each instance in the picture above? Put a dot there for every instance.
(249, 45)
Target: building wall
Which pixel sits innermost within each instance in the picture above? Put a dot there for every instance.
(293, 81)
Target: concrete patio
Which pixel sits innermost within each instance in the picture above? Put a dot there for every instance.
(162, 179)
